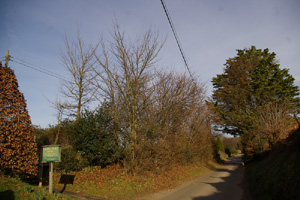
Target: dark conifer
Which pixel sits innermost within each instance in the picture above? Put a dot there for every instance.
(251, 80)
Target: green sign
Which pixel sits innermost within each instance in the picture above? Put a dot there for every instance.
(51, 153)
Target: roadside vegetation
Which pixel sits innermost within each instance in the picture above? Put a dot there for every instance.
(16, 188)
(275, 174)
(150, 125)
(152, 129)
(258, 101)
(113, 183)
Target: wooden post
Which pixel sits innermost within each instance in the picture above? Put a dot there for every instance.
(51, 154)
(6, 58)
(51, 178)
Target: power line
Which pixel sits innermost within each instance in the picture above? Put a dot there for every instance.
(37, 68)
(176, 36)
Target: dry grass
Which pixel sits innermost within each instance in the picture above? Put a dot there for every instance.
(113, 183)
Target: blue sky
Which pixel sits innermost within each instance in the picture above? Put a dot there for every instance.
(210, 31)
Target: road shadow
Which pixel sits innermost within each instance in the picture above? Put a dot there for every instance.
(234, 173)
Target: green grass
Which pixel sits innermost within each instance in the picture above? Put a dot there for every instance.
(14, 188)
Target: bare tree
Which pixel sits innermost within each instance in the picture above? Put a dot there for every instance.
(78, 61)
(274, 121)
(160, 118)
(60, 108)
(105, 83)
(176, 125)
(124, 75)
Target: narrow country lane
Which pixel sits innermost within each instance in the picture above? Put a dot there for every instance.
(225, 183)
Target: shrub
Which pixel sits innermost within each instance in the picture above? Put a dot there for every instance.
(93, 138)
(71, 160)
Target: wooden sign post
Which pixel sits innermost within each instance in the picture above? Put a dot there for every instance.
(51, 154)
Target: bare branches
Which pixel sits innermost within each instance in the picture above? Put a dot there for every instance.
(273, 121)
(79, 61)
(158, 117)
(125, 79)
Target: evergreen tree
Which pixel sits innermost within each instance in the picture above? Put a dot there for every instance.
(250, 81)
(92, 135)
(18, 148)
(220, 145)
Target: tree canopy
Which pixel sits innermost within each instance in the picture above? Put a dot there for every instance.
(251, 80)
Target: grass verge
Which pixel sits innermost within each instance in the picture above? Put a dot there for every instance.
(112, 183)
(276, 175)
(15, 188)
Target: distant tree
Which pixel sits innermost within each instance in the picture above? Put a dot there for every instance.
(231, 145)
(41, 136)
(60, 108)
(18, 148)
(250, 81)
(50, 136)
(220, 145)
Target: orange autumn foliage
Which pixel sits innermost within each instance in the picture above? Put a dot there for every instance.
(18, 148)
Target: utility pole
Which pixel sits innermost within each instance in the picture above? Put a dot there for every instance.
(7, 58)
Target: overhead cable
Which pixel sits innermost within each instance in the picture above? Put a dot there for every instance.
(2, 58)
(176, 36)
(37, 68)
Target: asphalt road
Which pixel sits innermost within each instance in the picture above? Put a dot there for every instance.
(225, 183)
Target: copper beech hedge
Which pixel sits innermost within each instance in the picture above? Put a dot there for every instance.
(18, 148)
